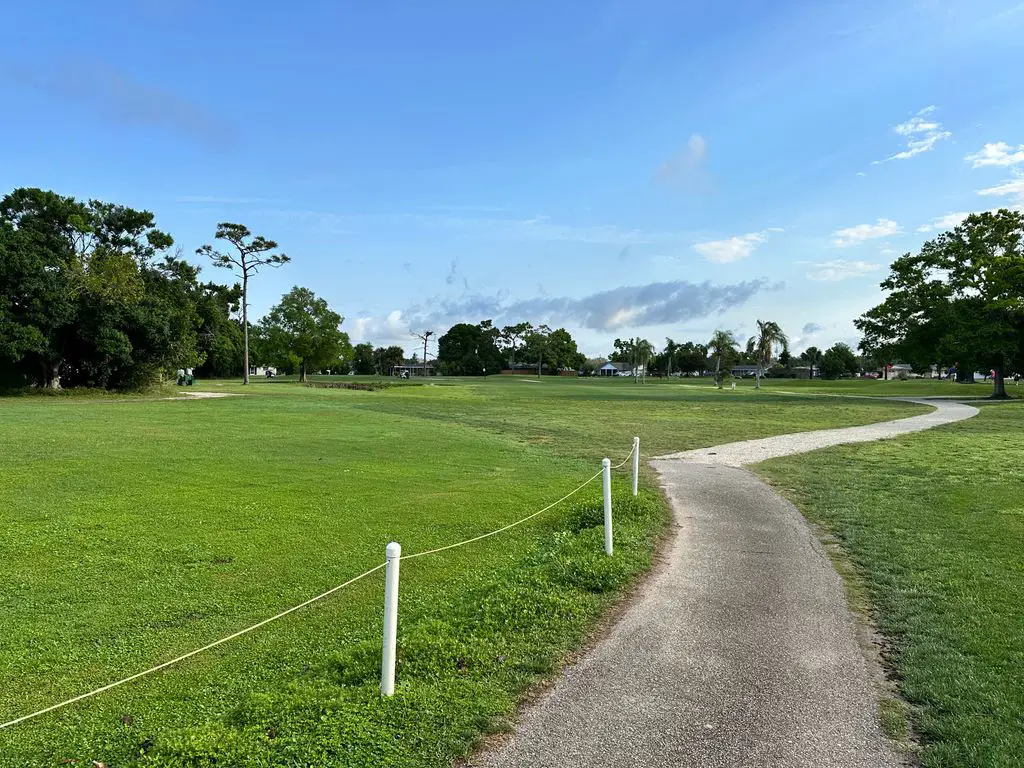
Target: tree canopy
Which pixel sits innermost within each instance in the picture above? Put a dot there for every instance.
(959, 300)
(839, 360)
(302, 333)
(91, 296)
(468, 350)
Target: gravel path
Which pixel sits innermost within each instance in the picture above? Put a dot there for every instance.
(753, 451)
(739, 650)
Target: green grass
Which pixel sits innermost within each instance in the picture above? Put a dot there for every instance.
(934, 524)
(135, 531)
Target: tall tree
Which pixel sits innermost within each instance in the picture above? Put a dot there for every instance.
(959, 299)
(838, 359)
(250, 255)
(535, 347)
(466, 350)
(511, 340)
(303, 332)
(724, 348)
(671, 348)
(692, 358)
(362, 359)
(561, 353)
(387, 358)
(812, 355)
(763, 345)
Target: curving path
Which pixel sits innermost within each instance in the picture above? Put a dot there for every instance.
(739, 650)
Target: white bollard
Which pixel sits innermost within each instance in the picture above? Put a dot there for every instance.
(636, 465)
(387, 666)
(606, 484)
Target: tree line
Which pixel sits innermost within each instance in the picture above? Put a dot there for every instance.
(475, 350)
(767, 353)
(92, 295)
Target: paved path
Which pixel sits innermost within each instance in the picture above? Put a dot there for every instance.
(739, 650)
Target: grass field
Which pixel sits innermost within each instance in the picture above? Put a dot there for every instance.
(934, 526)
(138, 530)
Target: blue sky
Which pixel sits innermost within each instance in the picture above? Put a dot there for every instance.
(619, 168)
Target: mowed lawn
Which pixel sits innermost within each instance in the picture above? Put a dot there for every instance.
(934, 526)
(135, 531)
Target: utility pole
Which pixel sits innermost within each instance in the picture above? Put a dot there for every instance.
(423, 337)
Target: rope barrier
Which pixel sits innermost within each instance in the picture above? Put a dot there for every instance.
(282, 614)
(510, 525)
(190, 654)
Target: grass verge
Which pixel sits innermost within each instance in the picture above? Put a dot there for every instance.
(934, 525)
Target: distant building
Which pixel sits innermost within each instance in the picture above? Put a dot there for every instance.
(262, 370)
(620, 369)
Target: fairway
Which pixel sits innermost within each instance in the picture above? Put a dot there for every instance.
(933, 524)
(136, 531)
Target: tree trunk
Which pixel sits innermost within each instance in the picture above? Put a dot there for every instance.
(999, 384)
(757, 382)
(50, 375)
(964, 376)
(245, 324)
(302, 372)
(718, 372)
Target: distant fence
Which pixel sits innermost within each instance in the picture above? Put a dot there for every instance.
(393, 558)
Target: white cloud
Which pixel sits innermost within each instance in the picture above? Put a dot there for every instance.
(921, 134)
(392, 328)
(838, 269)
(999, 154)
(1006, 189)
(944, 223)
(733, 248)
(858, 234)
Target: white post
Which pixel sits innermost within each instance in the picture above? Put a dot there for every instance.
(636, 465)
(606, 483)
(387, 666)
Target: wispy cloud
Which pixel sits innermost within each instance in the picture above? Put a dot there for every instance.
(120, 99)
(838, 269)
(1014, 188)
(996, 154)
(733, 248)
(921, 132)
(685, 163)
(538, 228)
(843, 238)
(944, 223)
(453, 269)
(811, 328)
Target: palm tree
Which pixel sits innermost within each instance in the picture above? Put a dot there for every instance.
(813, 356)
(671, 348)
(722, 344)
(642, 350)
(763, 345)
